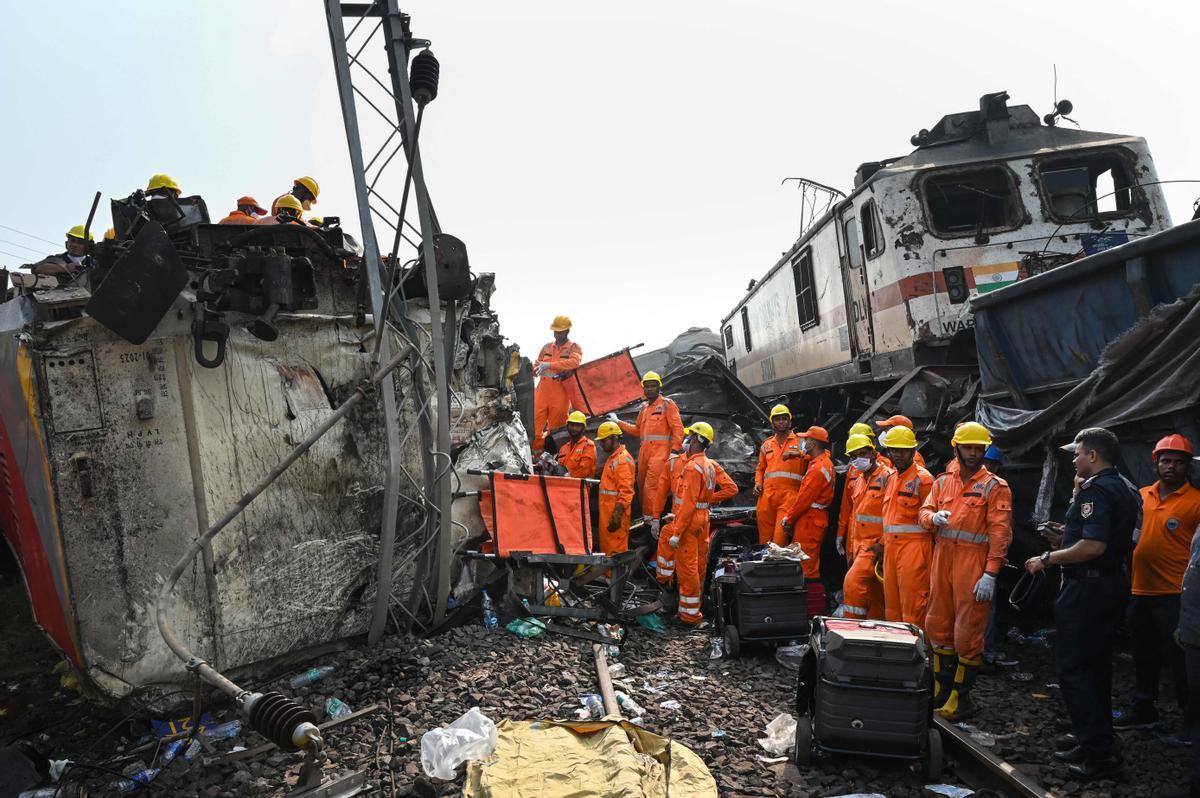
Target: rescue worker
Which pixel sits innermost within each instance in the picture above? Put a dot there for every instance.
(693, 491)
(891, 423)
(781, 465)
(862, 594)
(1097, 537)
(970, 512)
(659, 431)
(616, 490)
(907, 546)
(74, 259)
(288, 211)
(1170, 512)
(578, 453)
(1188, 637)
(807, 517)
(556, 360)
(304, 189)
(162, 185)
(845, 511)
(247, 212)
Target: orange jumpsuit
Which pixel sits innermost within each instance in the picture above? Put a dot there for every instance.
(846, 510)
(550, 402)
(779, 480)
(579, 457)
(974, 541)
(862, 593)
(809, 513)
(616, 487)
(907, 546)
(694, 489)
(237, 217)
(917, 458)
(659, 431)
(726, 488)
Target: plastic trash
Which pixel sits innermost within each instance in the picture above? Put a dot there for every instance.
(616, 670)
(652, 623)
(672, 704)
(224, 731)
(781, 735)
(472, 736)
(1015, 635)
(57, 766)
(41, 792)
(310, 676)
(716, 648)
(1021, 676)
(718, 734)
(594, 705)
(173, 748)
(490, 619)
(949, 790)
(986, 739)
(627, 704)
(336, 708)
(526, 627)
(791, 656)
(137, 780)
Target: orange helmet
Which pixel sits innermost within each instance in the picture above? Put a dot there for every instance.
(895, 421)
(1172, 443)
(817, 434)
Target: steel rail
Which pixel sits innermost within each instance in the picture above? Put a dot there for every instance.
(1011, 780)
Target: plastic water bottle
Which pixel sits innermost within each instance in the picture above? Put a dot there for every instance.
(137, 780)
(224, 731)
(336, 708)
(309, 676)
(490, 619)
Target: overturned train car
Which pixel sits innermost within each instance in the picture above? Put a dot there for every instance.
(143, 398)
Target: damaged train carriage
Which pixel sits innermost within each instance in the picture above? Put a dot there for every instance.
(871, 304)
(120, 443)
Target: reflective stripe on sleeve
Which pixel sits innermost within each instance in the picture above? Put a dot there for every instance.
(784, 475)
(647, 438)
(963, 535)
(869, 519)
(899, 529)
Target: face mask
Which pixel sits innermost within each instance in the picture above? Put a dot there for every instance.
(804, 446)
(861, 463)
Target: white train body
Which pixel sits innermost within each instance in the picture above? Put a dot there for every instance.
(880, 285)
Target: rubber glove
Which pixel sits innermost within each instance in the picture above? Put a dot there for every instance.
(654, 526)
(941, 518)
(841, 546)
(612, 417)
(985, 588)
(674, 541)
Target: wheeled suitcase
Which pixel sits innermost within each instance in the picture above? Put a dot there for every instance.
(761, 601)
(866, 688)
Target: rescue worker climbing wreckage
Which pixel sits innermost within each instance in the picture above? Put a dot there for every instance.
(694, 490)
(781, 465)
(659, 430)
(288, 211)
(907, 545)
(304, 189)
(578, 454)
(970, 511)
(616, 490)
(860, 531)
(805, 520)
(74, 259)
(556, 360)
(247, 211)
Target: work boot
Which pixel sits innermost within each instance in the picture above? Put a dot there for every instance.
(1093, 768)
(1066, 742)
(944, 663)
(958, 705)
(1138, 717)
(1072, 756)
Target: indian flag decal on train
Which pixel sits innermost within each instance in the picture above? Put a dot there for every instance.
(994, 275)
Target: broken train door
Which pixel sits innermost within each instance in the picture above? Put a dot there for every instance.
(854, 279)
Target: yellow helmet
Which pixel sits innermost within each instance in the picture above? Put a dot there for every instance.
(77, 232)
(651, 376)
(288, 201)
(309, 184)
(900, 438)
(862, 429)
(577, 418)
(163, 181)
(110, 234)
(780, 410)
(972, 432)
(316, 221)
(561, 324)
(607, 430)
(703, 429)
(858, 441)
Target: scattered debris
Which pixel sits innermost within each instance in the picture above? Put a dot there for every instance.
(471, 736)
(781, 734)
(949, 790)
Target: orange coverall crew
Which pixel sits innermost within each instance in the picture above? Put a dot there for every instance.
(971, 514)
(554, 363)
(862, 594)
(907, 546)
(694, 489)
(616, 490)
(807, 518)
(889, 424)
(781, 466)
(726, 488)
(844, 546)
(247, 212)
(578, 454)
(659, 431)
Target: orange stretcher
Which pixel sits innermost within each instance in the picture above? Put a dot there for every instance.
(604, 385)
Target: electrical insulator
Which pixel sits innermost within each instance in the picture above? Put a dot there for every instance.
(423, 77)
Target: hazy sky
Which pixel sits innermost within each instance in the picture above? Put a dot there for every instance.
(619, 162)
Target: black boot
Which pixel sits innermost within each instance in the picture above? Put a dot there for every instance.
(1094, 768)
(958, 704)
(945, 661)
(1072, 756)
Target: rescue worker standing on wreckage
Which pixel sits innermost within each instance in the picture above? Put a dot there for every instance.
(1096, 539)
(807, 518)
(781, 465)
(556, 360)
(616, 490)
(862, 593)
(659, 430)
(693, 489)
(907, 546)
(578, 453)
(970, 512)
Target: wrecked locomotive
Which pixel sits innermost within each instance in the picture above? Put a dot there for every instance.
(869, 309)
(144, 396)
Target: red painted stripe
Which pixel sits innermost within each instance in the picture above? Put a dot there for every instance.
(911, 287)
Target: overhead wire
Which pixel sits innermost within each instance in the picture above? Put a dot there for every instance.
(31, 235)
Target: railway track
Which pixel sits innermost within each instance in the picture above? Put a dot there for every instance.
(981, 769)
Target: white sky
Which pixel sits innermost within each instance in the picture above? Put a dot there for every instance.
(618, 162)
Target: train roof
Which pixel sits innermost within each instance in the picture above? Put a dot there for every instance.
(995, 132)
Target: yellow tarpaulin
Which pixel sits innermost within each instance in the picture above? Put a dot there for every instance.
(601, 759)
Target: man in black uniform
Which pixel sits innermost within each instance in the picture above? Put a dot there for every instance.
(1097, 538)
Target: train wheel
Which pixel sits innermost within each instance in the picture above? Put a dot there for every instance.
(802, 752)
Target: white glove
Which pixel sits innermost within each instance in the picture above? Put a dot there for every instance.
(841, 546)
(541, 369)
(941, 518)
(653, 523)
(612, 417)
(674, 541)
(985, 588)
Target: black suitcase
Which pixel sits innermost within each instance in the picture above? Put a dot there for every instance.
(866, 687)
(762, 601)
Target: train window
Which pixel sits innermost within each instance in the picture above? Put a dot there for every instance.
(972, 201)
(806, 290)
(1077, 189)
(746, 326)
(872, 231)
(853, 247)
(728, 336)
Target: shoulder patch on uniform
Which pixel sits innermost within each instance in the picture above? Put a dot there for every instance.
(1085, 509)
